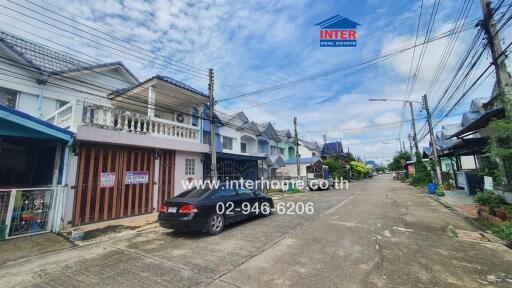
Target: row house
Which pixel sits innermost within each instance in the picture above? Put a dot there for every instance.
(246, 149)
(309, 152)
(82, 143)
(462, 152)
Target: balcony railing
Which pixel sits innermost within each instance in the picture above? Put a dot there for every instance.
(82, 113)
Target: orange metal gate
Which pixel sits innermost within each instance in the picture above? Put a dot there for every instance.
(166, 176)
(113, 182)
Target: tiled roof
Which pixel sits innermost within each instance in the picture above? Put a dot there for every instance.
(40, 56)
(333, 148)
(49, 60)
(262, 126)
(469, 117)
(284, 133)
(310, 145)
(476, 104)
(450, 129)
(224, 117)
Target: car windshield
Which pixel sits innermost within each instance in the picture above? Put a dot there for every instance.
(194, 193)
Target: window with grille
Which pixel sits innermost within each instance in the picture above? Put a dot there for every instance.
(8, 98)
(227, 143)
(243, 147)
(190, 166)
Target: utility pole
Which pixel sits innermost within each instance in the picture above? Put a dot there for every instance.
(500, 66)
(325, 139)
(413, 128)
(297, 155)
(498, 57)
(410, 143)
(213, 168)
(432, 140)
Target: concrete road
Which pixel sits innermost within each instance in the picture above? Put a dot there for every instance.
(379, 233)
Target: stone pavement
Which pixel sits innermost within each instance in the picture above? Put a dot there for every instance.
(379, 233)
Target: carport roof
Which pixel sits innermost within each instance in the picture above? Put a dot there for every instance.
(15, 123)
(240, 157)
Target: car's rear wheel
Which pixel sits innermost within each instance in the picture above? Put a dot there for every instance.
(215, 224)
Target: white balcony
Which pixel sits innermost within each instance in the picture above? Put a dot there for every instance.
(81, 113)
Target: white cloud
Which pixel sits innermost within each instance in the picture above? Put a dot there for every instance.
(255, 46)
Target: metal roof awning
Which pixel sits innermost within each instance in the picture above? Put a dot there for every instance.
(239, 157)
(480, 123)
(469, 146)
(305, 160)
(14, 123)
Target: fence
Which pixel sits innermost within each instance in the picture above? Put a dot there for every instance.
(26, 211)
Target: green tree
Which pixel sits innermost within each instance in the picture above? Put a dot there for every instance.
(500, 147)
(359, 168)
(422, 174)
(335, 168)
(398, 159)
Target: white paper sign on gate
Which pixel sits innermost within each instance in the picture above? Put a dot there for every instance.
(107, 179)
(137, 177)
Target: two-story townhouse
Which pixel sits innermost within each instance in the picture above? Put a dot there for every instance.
(308, 149)
(236, 146)
(286, 144)
(246, 149)
(35, 82)
(133, 145)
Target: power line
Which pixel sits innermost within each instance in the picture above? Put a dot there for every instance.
(136, 48)
(135, 57)
(330, 71)
(363, 127)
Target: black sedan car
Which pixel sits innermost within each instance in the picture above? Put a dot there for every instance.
(209, 210)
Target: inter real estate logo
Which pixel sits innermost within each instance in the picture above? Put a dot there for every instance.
(338, 31)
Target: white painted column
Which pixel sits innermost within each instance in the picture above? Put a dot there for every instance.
(151, 101)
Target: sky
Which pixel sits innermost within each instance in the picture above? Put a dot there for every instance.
(252, 45)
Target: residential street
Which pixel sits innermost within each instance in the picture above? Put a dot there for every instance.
(379, 233)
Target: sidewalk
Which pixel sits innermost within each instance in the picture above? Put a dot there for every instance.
(34, 245)
(461, 202)
(29, 246)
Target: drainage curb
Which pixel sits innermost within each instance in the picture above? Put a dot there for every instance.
(491, 237)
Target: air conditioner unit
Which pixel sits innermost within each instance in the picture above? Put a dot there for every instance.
(180, 118)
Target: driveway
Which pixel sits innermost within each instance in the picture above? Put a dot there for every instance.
(379, 233)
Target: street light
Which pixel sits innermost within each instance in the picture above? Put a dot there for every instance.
(412, 115)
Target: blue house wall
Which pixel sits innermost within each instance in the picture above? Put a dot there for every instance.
(205, 127)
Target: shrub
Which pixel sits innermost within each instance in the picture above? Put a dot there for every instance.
(421, 174)
(504, 231)
(497, 201)
(490, 199)
(483, 198)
